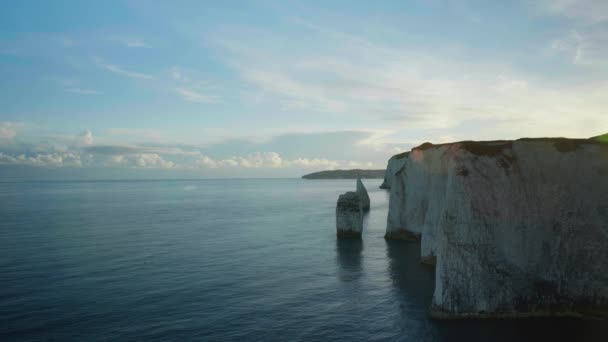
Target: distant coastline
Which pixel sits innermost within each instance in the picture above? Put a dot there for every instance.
(345, 174)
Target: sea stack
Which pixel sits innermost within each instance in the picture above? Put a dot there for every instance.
(516, 228)
(362, 192)
(349, 216)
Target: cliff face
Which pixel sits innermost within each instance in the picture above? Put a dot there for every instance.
(514, 227)
(394, 164)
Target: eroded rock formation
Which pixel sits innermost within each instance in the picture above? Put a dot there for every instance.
(349, 215)
(362, 192)
(516, 228)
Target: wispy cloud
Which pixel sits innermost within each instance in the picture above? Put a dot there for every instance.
(83, 91)
(127, 41)
(74, 86)
(71, 141)
(119, 71)
(136, 43)
(126, 150)
(590, 10)
(299, 93)
(61, 40)
(141, 134)
(417, 89)
(193, 96)
(586, 49)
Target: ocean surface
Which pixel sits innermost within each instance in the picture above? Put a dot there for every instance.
(220, 260)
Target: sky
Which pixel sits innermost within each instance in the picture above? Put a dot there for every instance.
(208, 89)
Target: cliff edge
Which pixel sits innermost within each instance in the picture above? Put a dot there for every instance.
(515, 228)
(394, 164)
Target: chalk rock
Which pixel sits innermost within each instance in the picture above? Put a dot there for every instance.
(394, 165)
(362, 192)
(349, 215)
(516, 228)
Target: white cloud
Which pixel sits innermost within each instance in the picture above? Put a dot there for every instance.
(152, 160)
(192, 96)
(8, 130)
(260, 160)
(315, 163)
(78, 151)
(273, 160)
(206, 162)
(254, 160)
(119, 71)
(136, 43)
(86, 138)
(140, 160)
(56, 159)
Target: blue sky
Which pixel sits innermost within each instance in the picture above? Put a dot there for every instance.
(282, 88)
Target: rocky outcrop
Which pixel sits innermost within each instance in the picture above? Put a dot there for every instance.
(515, 228)
(394, 164)
(362, 192)
(349, 215)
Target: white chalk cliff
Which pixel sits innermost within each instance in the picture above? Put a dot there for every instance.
(515, 228)
(394, 164)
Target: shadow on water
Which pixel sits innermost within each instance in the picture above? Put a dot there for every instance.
(348, 254)
(414, 283)
(525, 329)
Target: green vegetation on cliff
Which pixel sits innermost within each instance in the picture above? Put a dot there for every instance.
(601, 138)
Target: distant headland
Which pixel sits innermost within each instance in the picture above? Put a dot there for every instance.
(345, 174)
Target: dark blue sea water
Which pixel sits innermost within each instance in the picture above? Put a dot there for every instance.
(219, 260)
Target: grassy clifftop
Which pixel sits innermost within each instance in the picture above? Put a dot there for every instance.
(601, 138)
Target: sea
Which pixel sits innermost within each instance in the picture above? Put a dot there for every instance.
(220, 260)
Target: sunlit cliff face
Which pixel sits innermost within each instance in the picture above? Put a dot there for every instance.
(494, 216)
